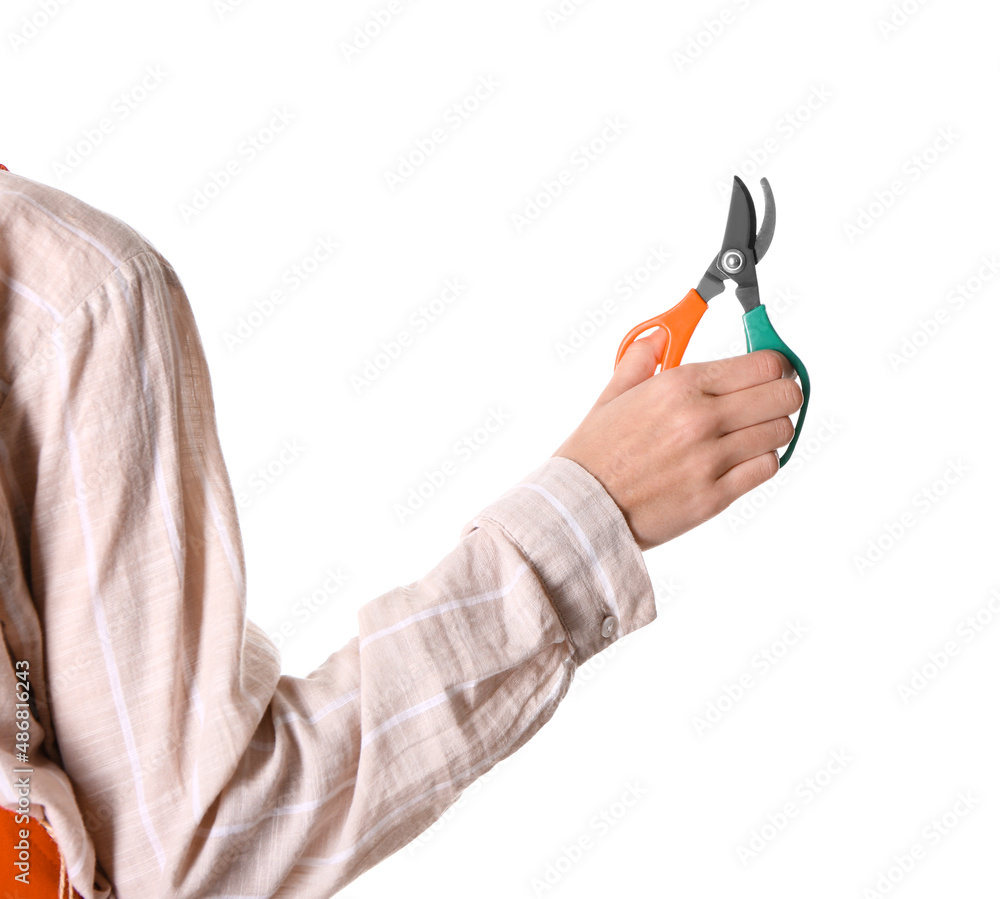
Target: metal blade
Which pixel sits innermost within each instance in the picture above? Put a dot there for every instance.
(767, 226)
(711, 285)
(741, 227)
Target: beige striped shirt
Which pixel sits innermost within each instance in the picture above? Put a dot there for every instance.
(170, 755)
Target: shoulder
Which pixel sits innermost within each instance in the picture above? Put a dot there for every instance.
(55, 251)
(64, 243)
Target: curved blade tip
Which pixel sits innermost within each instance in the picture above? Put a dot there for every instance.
(766, 232)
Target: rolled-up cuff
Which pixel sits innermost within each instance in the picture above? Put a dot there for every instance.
(576, 538)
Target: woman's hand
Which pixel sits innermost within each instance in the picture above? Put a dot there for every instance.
(676, 449)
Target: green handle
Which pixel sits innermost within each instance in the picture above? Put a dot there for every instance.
(762, 336)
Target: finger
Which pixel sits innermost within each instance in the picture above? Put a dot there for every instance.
(740, 372)
(754, 405)
(637, 365)
(749, 443)
(747, 476)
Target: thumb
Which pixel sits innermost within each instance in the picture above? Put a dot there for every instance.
(637, 365)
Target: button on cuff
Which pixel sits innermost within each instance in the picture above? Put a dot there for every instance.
(609, 626)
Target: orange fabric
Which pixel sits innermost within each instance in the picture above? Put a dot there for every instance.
(46, 875)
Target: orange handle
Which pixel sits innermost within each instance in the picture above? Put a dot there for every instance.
(679, 323)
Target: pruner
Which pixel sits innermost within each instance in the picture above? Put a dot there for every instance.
(742, 248)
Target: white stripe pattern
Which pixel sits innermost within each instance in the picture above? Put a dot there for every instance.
(197, 767)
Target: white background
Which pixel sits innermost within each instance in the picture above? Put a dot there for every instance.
(700, 91)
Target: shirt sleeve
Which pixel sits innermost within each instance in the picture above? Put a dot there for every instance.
(198, 766)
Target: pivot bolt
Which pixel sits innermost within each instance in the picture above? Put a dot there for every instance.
(732, 262)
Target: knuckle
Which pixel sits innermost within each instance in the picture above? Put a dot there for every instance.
(784, 430)
(790, 394)
(688, 375)
(701, 380)
(767, 467)
(684, 385)
(768, 365)
(688, 428)
(704, 375)
(762, 469)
